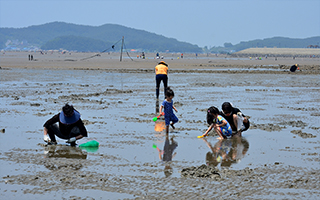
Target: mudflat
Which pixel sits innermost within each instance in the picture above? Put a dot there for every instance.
(277, 158)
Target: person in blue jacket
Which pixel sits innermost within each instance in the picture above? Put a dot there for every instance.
(66, 125)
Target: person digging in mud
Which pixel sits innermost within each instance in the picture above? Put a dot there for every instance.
(161, 75)
(167, 106)
(294, 67)
(218, 123)
(71, 127)
(238, 121)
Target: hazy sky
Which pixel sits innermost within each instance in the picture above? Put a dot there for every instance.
(201, 22)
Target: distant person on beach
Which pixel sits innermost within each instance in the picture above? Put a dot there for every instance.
(161, 75)
(293, 68)
(71, 127)
(218, 123)
(168, 107)
(238, 121)
(143, 56)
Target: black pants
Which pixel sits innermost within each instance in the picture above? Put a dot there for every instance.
(54, 130)
(246, 125)
(159, 78)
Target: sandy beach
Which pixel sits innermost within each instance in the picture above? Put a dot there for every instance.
(72, 60)
(277, 158)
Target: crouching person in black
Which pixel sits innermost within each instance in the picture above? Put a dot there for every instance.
(237, 120)
(70, 126)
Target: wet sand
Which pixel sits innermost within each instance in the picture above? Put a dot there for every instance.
(277, 158)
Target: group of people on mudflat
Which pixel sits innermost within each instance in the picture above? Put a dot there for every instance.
(229, 122)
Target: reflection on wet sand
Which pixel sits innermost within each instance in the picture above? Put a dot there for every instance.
(62, 157)
(168, 154)
(170, 145)
(159, 126)
(157, 106)
(226, 152)
(62, 151)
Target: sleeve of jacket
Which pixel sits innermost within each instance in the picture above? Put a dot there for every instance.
(82, 128)
(236, 110)
(51, 121)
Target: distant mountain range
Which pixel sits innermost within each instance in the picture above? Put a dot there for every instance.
(279, 42)
(108, 37)
(72, 37)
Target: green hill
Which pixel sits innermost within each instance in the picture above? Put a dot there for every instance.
(76, 43)
(58, 35)
(279, 42)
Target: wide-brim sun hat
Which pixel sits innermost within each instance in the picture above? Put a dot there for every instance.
(163, 63)
(69, 120)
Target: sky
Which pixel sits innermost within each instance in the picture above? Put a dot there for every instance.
(201, 22)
